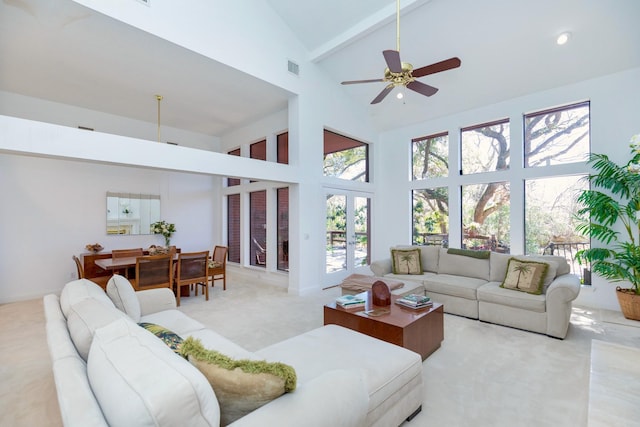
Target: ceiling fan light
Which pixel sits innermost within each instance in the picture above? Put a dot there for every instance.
(400, 95)
(563, 38)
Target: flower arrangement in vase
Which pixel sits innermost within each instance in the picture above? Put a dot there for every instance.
(164, 228)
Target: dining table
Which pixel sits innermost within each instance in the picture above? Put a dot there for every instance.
(116, 263)
(119, 263)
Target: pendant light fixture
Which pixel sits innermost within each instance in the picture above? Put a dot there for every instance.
(159, 98)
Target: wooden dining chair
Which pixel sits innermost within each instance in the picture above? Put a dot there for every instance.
(102, 280)
(191, 269)
(153, 271)
(127, 253)
(217, 268)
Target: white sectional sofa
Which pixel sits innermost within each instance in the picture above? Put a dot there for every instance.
(470, 287)
(108, 370)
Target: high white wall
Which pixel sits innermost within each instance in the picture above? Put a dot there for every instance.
(52, 208)
(25, 107)
(615, 108)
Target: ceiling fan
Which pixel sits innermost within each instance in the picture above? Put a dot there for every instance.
(400, 73)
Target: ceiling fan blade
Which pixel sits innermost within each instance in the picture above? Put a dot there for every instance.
(352, 82)
(382, 94)
(392, 57)
(422, 88)
(438, 67)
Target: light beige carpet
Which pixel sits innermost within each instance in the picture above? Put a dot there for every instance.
(483, 375)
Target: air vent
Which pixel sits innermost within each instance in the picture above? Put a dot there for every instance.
(172, 143)
(293, 68)
(85, 128)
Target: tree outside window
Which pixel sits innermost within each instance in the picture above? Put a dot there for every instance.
(430, 156)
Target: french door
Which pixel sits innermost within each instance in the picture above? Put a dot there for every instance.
(348, 248)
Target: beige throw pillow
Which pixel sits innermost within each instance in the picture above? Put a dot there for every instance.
(241, 386)
(525, 276)
(406, 261)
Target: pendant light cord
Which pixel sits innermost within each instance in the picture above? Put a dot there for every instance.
(159, 98)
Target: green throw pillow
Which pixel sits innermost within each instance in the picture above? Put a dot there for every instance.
(406, 261)
(469, 253)
(525, 276)
(170, 338)
(241, 386)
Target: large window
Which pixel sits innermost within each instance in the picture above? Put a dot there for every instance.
(557, 136)
(282, 142)
(431, 216)
(345, 158)
(258, 227)
(485, 147)
(233, 181)
(430, 156)
(546, 177)
(485, 216)
(283, 228)
(233, 227)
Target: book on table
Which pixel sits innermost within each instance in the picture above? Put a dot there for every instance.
(350, 301)
(414, 301)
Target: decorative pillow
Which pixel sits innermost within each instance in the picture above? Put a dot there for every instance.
(124, 296)
(138, 381)
(170, 338)
(406, 261)
(215, 264)
(469, 253)
(241, 386)
(525, 276)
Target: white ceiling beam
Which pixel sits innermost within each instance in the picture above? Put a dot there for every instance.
(363, 28)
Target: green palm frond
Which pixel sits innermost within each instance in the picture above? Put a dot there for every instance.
(614, 198)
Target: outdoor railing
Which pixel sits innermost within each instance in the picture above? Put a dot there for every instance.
(568, 250)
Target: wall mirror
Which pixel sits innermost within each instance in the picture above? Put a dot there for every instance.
(132, 213)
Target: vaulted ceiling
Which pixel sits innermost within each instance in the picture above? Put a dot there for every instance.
(60, 51)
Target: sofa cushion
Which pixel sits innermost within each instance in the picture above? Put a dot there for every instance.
(241, 386)
(457, 286)
(460, 265)
(499, 266)
(139, 381)
(492, 292)
(85, 317)
(406, 261)
(173, 320)
(123, 295)
(80, 289)
(429, 256)
(525, 276)
(331, 347)
(171, 339)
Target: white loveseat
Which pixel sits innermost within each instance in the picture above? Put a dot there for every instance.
(470, 287)
(110, 371)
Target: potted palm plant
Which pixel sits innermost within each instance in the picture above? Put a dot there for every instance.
(613, 201)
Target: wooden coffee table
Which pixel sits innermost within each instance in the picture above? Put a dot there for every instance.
(420, 330)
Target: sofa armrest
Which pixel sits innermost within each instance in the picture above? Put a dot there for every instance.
(337, 398)
(156, 300)
(560, 293)
(381, 267)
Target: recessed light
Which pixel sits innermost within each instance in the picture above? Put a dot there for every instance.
(563, 38)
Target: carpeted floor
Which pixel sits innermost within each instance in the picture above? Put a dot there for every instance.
(483, 375)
